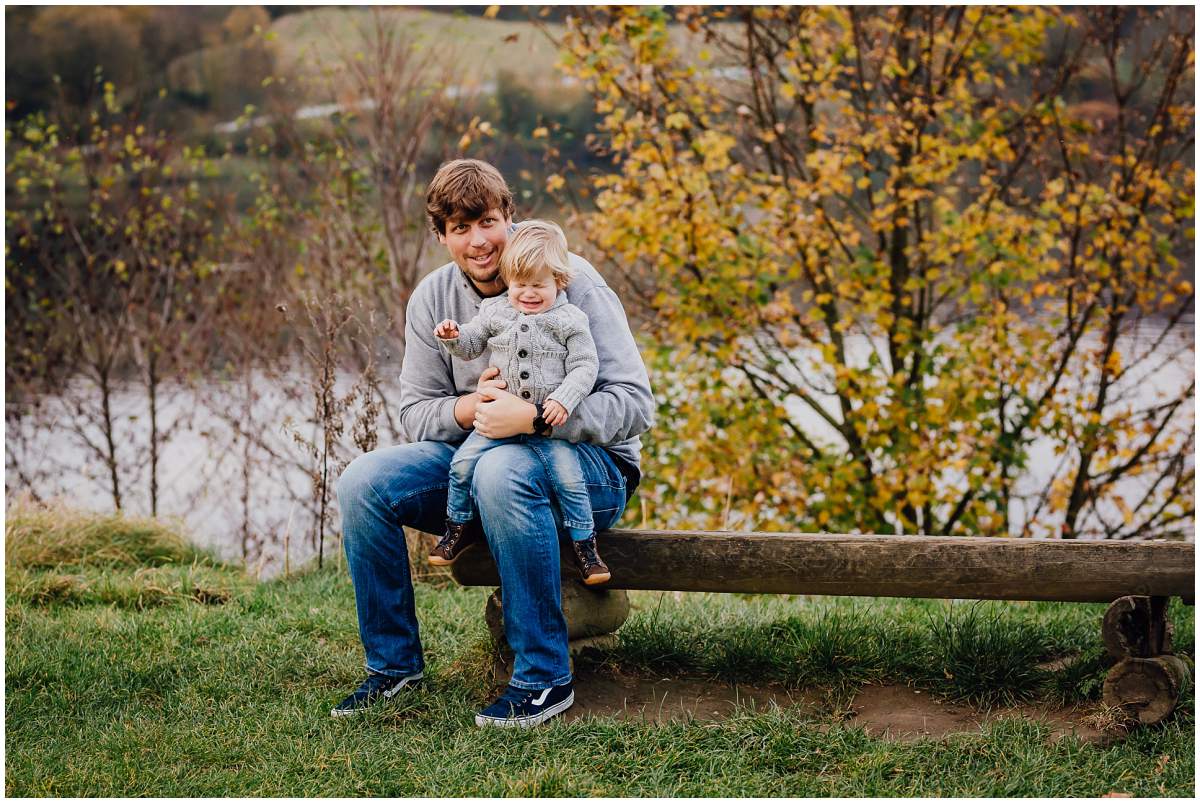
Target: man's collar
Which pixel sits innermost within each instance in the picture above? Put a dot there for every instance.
(473, 287)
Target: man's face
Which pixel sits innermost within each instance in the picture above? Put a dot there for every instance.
(476, 245)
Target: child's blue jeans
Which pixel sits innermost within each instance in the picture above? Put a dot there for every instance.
(559, 459)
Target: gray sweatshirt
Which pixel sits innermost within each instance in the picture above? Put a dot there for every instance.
(619, 409)
(547, 355)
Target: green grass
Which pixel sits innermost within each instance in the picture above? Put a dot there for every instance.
(230, 697)
(986, 653)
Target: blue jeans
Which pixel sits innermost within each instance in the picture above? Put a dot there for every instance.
(562, 468)
(406, 485)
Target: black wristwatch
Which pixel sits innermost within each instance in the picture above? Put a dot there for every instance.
(540, 427)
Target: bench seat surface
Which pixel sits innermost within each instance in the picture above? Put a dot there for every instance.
(956, 567)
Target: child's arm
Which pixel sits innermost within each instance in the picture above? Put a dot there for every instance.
(468, 340)
(582, 366)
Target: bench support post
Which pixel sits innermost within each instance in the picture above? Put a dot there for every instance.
(1147, 679)
(592, 615)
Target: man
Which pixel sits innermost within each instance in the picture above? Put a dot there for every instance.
(441, 399)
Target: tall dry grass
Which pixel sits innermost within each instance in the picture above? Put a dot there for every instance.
(53, 535)
(57, 555)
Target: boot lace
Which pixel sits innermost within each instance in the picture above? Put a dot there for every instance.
(587, 553)
(454, 534)
(517, 698)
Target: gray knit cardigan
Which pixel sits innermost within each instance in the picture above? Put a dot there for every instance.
(546, 355)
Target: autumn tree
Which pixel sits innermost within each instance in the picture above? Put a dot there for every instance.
(338, 222)
(891, 258)
(109, 245)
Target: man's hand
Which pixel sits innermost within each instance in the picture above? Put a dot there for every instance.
(490, 378)
(446, 330)
(500, 414)
(554, 413)
(464, 408)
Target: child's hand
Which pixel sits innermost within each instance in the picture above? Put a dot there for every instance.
(446, 330)
(554, 413)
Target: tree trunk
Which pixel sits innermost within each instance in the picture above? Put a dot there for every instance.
(248, 423)
(106, 424)
(152, 388)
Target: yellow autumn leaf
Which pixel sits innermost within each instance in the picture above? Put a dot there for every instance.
(677, 120)
(1113, 364)
(1123, 506)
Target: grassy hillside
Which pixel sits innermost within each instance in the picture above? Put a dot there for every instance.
(477, 48)
(135, 666)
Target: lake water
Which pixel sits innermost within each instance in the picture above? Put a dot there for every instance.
(202, 467)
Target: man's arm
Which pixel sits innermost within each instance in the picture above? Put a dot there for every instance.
(621, 406)
(428, 397)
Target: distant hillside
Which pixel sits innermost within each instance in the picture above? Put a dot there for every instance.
(312, 41)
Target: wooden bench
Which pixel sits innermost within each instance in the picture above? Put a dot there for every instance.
(1135, 578)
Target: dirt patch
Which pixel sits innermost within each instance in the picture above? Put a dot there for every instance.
(1079, 720)
(905, 714)
(659, 700)
(888, 712)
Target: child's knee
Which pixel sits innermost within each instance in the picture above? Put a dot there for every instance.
(461, 471)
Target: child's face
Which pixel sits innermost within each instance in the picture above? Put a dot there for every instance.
(533, 294)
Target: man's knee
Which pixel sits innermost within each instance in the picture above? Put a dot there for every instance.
(509, 474)
(390, 482)
(354, 483)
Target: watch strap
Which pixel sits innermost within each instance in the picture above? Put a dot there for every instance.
(540, 427)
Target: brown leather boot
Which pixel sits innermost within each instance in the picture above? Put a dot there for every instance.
(456, 540)
(591, 567)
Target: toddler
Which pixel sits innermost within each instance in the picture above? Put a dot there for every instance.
(544, 349)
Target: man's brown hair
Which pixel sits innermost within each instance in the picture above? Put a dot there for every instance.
(466, 189)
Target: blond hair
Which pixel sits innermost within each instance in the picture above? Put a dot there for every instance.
(533, 245)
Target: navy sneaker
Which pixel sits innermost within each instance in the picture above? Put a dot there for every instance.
(375, 689)
(524, 708)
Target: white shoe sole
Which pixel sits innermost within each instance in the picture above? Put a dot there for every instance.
(404, 684)
(526, 722)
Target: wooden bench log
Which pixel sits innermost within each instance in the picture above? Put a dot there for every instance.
(593, 615)
(1146, 689)
(1137, 627)
(952, 567)
(1136, 578)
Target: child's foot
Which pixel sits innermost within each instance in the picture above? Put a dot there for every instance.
(457, 538)
(591, 567)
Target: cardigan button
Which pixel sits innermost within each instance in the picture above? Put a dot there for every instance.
(524, 374)
(525, 394)
(522, 353)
